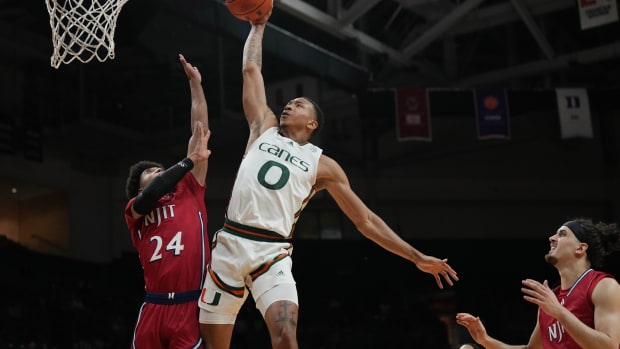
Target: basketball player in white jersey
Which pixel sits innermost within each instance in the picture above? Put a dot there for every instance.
(278, 175)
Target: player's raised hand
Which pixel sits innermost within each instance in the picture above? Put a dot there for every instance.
(191, 71)
(201, 144)
(264, 18)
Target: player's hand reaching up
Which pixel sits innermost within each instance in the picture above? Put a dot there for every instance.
(192, 72)
(263, 19)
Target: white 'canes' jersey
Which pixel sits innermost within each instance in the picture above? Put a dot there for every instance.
(274, 183)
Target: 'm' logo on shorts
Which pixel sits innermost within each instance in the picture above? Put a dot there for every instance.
(216, 298)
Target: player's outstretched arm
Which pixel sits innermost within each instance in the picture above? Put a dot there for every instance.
(199, 110)
(199, 113)
(331, 177)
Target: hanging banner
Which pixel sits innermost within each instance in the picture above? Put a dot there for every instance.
(574, 110)
(492, 116)
(412, 114)
(593, 13)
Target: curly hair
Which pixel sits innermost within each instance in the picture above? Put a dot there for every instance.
(133, 180)
(603, 239)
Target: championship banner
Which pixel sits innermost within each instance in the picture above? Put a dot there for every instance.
(492, 117)
(594, 13)
(574, 110)
(412, 114)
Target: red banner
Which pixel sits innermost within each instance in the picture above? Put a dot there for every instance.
(412, 114)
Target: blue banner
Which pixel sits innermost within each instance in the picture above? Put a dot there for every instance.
(492, 117)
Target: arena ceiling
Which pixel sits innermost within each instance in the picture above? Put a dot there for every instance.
(351, 45)
(360, 43)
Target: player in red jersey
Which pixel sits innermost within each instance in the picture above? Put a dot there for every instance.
(584, 310)
(167, 217)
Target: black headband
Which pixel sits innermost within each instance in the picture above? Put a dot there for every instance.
(577, 230)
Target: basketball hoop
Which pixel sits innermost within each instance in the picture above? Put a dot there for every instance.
(83, 29)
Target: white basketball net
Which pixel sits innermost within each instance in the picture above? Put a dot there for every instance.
(83, 29)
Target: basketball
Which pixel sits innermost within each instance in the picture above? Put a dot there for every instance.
(249, 10)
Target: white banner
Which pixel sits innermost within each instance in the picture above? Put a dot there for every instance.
(593, 13)
(574, 110)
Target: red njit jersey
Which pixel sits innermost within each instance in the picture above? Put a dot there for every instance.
(172, 240)
(578, 300)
